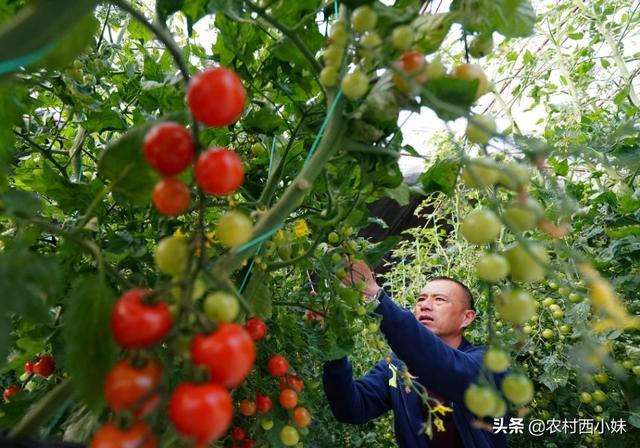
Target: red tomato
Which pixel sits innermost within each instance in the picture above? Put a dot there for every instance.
(201, 411)
(247, 408)
(125, 386)
(256, 328)
(171, 196)
(288, 398)
(301, 417)
(45, 366)
(278, 365)
(10, 392)
(28, 367)
(248, 443)
(291, 382)
(110, 436)
(228, 352)
(168, 148)
(238, 433)
(219, 171)
(216, 97)
(411, 61)
(263, 403)
(136, 324)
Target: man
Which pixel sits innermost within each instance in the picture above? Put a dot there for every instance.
(430, 343)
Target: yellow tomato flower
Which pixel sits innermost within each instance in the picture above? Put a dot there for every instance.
(442, 409)
(300, 230)
(439, 424)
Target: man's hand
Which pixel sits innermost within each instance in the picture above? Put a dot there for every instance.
(361, 276)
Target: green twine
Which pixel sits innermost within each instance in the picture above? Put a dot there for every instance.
(323, 127)
(12, 65)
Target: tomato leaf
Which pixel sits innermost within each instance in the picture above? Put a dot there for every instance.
(441, 176)
(259, 295)
(20, 202)
(376, 253)
(27, 280)
(450, 98)
(19, 42)
(90, 350)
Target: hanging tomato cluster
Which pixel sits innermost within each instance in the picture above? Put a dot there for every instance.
(216, 98)
(199, 410)
(290, 388)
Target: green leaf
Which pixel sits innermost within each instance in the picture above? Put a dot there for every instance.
(376, 253)
(441, 176)
(90, 349)
(34, 31)
(20, 203)
(5, 338)
(27, 280)
(104, 120)
(450, 98)
(515, 21)
(258, 294)
(634, 420)
(123, 164)
(620, 232)
(262, 121)
(74, 41)
(165, 8)
(400, 194)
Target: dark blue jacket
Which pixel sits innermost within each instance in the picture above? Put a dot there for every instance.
(443, 369)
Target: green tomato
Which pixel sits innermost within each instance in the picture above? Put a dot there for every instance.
(597, 408)
(636, 370)
(171, 255)
(565, 329)
(524, 216)
(585, 397)
(479, 400)
(599, 395)
(370, 40)
(514, 176)
(563, 291)
(481, 226)
(336, 257)
(234, 229)
(481, 46)
(627, 364)
(492, 267)
(575, 297)
(480, 172)
(548, 302)
(339, 34)
(221, 306)
(329, 76)
(289, 435)
(548, 333)
(435, 69)
(480, 129)
(518, 389)
(496, 360)
(515, 306)
(554, 307)
(553, 285)
(527, 329)
(601, 378)
(332, 56)
(558, 314)
(364, 18)
(266, 423)
(402, 37)
(333, 238)
(355, 84)
(525, 268)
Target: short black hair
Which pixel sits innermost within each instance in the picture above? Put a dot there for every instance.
(465, 288)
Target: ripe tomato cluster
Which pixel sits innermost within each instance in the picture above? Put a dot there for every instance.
(216, 97)
(44, 367)
(290, 388)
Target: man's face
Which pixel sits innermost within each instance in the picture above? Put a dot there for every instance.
(442, 307)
